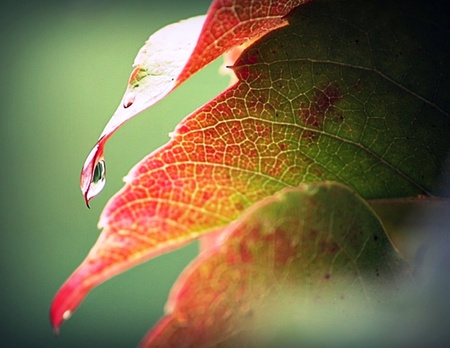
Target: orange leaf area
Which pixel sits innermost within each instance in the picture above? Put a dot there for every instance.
(291, 257)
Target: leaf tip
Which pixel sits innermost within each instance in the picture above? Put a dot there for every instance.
(64, 304)
(59, 311)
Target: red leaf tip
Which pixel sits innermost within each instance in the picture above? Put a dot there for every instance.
(69, 296)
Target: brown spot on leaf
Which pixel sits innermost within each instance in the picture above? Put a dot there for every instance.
(309, 136)
(317, 171)
(313, 233)
(253, 57)
(333, 248)
(323, 102)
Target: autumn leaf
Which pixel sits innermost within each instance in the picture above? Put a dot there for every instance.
(332, 96)
(306, 248)
(176, 52)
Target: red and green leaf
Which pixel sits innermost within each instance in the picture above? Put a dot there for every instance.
(331, 96)
(284, 261)
(176, 52)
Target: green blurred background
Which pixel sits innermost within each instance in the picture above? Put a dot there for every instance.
(64, 68)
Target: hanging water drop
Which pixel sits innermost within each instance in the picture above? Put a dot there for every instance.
(93, 174)
(98, 181)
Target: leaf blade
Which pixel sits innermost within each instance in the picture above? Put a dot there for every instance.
(303, 248)
(239, 149)
(176, 52)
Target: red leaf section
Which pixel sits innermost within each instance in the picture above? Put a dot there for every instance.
(232, 22)
(228, 23)
(184, 184)
(202, 179)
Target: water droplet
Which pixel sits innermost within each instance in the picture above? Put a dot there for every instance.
(66, 315)
(98, 179)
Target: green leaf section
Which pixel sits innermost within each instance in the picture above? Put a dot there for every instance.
(289, 257)
(359, 92)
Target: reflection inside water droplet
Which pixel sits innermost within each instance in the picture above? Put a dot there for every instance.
(98, 179)
(99, 171)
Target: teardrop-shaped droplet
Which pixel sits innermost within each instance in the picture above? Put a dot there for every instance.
(98, 180)
(92, 178)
